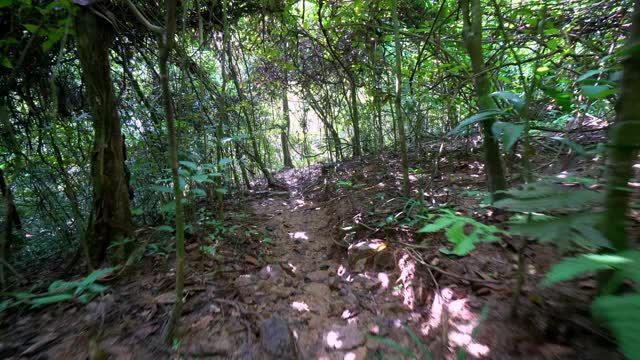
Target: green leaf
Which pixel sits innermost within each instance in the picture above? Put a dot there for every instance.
(32, 28)
(590, 74)
(189, 164)
(562, 98)
(415, 338)
(91, 278)
(512, 98)
(97, 288)
(164, 189)
(5, 3)
(198, 192)
(622, 315)
(481, 116)
(222, 190)
(4, 61)
(463, 244)
(558, 199)
(60, 285)
(224, 161)
(509, 133)
(570, 268)
(597, 91)
(51, 299)
(200, 178)
(165, 228)
(169, 207)
(438, 225)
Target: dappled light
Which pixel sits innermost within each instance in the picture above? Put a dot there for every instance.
(328, 179)
(299, 235)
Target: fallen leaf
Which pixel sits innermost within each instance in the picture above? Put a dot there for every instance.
(251, 260)
(202, 324)
(166, 298)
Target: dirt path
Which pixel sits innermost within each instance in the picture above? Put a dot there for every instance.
(329, 309)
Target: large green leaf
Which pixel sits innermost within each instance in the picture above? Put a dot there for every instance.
(597, 91)
(481, 116)
(511, 97)
(51, 299)
(622, 315)
(190, 164)
(200, 178)
(508, 132)
(570, 268)
(561, 199)
(91, 278)
(463, 244)
(437, 225)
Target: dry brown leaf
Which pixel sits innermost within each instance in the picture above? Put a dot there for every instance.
(251, 260)
(202, 323)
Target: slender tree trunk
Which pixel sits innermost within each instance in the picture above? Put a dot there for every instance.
(624, 139)
(472, 31)
(111, 218)
(398, 102)
(165, 51)
(355, 118)
(11, 218)
(286, 127)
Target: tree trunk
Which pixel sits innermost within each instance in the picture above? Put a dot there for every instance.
(165, 51)
(11, 218)
(286, 127)
(472, 32)
(398, 102)
(624, 140)
(111, 217)
(355, 118)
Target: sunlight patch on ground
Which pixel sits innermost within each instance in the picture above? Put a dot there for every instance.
(333, 340)
(300, 306)
(460, 320)
(384, 280)
(301, 235)
(293, 268)
(407, 272)
(298, 204)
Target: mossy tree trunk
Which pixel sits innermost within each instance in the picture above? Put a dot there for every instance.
(111, 215)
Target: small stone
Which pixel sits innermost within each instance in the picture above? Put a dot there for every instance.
(318, 276)
(271, 272)
(282, 293)
(317, 290)
(276, 339)
(343, 338)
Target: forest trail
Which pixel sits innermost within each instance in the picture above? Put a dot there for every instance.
(313, 289)
(333, 299)
(314, 273)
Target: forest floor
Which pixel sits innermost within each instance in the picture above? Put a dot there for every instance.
(333, 269)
